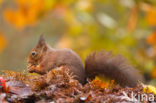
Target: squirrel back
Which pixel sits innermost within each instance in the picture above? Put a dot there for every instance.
(43, 58)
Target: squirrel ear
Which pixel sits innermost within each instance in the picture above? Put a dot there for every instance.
(44, 48)
(41, 41)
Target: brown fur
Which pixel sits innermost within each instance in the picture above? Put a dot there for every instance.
(47, 58)
(43, 58)
(114, 67)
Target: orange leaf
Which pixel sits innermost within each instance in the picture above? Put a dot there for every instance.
(15, 17)
(3, 42)
(100, 84)
(26, 14)
(133, 18)
(151, 39)
(151, 15)
(153, 73)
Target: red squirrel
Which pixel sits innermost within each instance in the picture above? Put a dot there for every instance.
(43, 58)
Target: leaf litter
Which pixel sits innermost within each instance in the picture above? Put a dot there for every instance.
(59, 86)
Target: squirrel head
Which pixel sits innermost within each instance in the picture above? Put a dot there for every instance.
(37, 52)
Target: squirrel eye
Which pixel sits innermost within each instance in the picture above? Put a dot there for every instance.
(33, 53)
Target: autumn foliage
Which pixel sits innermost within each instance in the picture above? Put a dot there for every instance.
(126, 27)
(59, 86)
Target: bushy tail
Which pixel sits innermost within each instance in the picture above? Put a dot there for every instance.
(113, 67)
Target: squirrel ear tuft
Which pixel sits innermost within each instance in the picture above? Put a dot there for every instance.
(41, 41)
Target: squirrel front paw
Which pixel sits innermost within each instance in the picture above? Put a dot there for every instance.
(31, 68)
(35, 68)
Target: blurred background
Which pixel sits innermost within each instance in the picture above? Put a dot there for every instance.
(126, 27)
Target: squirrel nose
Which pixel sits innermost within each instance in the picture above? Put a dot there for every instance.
(33, 53)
